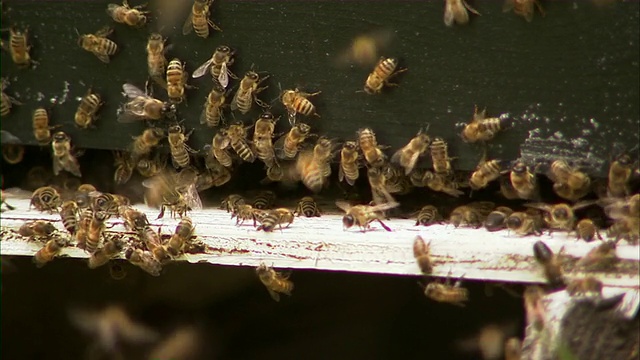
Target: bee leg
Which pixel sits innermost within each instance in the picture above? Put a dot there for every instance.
(214, 26)
(384, 226)
(161, 212)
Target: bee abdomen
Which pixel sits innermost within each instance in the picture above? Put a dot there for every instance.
(264, 200)
(223, 157)
(180, 156)
(243, 151)
(303, 106)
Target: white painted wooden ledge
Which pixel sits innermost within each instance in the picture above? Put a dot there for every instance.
(321, 243)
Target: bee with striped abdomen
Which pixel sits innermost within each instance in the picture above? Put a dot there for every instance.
(524, 8)
(473, 214)
(86, 113)
(457, 11)
(626, 216)
(19, 47)
(6, 102)
(149, 167)
(349, 167)
(94, 233)
(111, 248)
(153, 242)
(263, 139)
(482, 128)
(381, 74)
(369, 145)
(156, 60)
(264, 200)
(178, 147)
(523, 181)
(98, 44)
(486, 172)
(560, 216)
(297, 102)
(275, 217)
(182, 235)
(407, 157)
(308, 207)
(219, 145)
(600, 258)
(41, 128)
(46, 198)
(440, 157)
(124, 14)
(144, 143)
(176, 81)
(62, 157)
(69, 212)
(313, 167)
(48, 252)
(123, 167)
(142, 106)
(37, 228)
(134, 220)
(525, 223)
(447, 293)
(422, 254)
(287, 145)
(428, 215)
(237, 134)
(275, 282)
(569, 182)
(231, 202)
(247, 93)
(364, 215)
(620, 172)
(212, 112)
(586, 229)
(198, 19)
(219, 63)
(144, 260)
(550, 262)
(243, 212)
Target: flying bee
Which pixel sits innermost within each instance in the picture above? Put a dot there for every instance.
(149, 167)
(219, 63)
(142, 106)
(198, 19)
(219, 145)
(12, 148)
(436, 182)
(533, 306)
(569, 182)
(108, 203)
(123, 167)
(364, 215)
(134, 220)
(560, 216)
(19, 47)
(144, 260)
(385, 69)
(108, 251)
(184, 232)
(243, 212)
(472, 214)
(212, 112)
(497, 219)
(524, 223)
(440, 157)
(524, 8)
(41, 128)
(297, 102)
(40, 228)
(95, 232)
(69, 214)
(456, 11)
(486, 172)
(287, 145)
(601, 257)
(422, 254)
(585, 286)
(6, 101)
(275, 282)
(550, 262)
(247, 93)
(231, 202)
(587, 230)
(428, 215)
(264, 200)
(263, 138)
(176, 191)
(178, 147)
(237, 134)
(62, 157)
(620, 172)
(523, 181)
(46, 199)
(378, 185)
(98, 44)
(369, 146)
(156, 60)
(626, 214)
(124, 14)
(275, 217)
(176, 81)
(447, 293)
(349, 162)
(308, 207)
(48, 252)
(313, 165)
(143, 144)
(407, 157)
(86, 113)
(482, 128)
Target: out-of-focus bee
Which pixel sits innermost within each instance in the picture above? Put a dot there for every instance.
(176, 81)
(275, 217)
(378, 185)
(349, 162)
(219, 145)
(513, 349)
(287, 145)
(86, 113)
(149, 167)
(395, 180)
(185, 342)
(585, 286)
(141, 106)
(428, 215)
(524, 8)
(144, 260)
(221, 59)
(524, 223)
(422, 254)
(456, 11)
(497, 219)
(550, 262)
(98, 44)
(178, 147)
(626, 214)
(46, 199)
(19, 48)
(124, 14)
(436, 182)
(313, 166)
(587, 230)
(152, 240)
(486, 172)
(231, 202)
(12, 148)
(176, 191)
(364, 215)
(124, 167)
(482, 128)
(41, 128)
(37, 228)
(198, 19)
(143, 144)
(407, 157)
(111, 248)
(48, 252)
(264, 200)
(82, 197)
(601, 257)
(237, 134)
(568, 182)
(440, 157)
(96, 228)
(297, 102)
(364, 49)
(214, 175)
(447, 293)
(182, 235)
(533, 306)
(308, 207)
(243, 212)
(560, 216)
(62, 157)
(275, 282)
(134, 220)
(369, 146)
(212, 112)
(69, 214)
(385, 69)
(156, 61)
(247, 93)
(619, 174)
(472, 214)
(6, 101)
(263, 138)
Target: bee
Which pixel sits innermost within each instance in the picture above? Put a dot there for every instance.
(19, 48)
(82, 197)
(369, 146)
(313, 165)
(48, 252)
(533, 306)
(142, 106)
(275, 217)
(144, 260)
(364, 215)
(219, 145)
(243, 212)
(569, 182)
(364, 48)
(86, 113)
(447, 293)
(69, 215)
(482, 128)
(198, 19)
(472, 214)
(264, 200)
(626, 214)
(486, 172)
(37, 228)
(178, 147)
(176, 191)
(407, 157)
(12, 149)
(275, 282)
(378, 184)
(212, 112)
(134, 220)
(123, 167)
(496, 220)
(6, 102)
(601, 257)
(524, 224)
(231, 202)
(106, 202)
(308, 207)
(524, 8)
(247, 93)
(214, 175)
(287, 145)
(220, 61)
(108, 251)
(523, 181)
(143, 144)
(176, 81)
(385, 69)
(150, 167)
(41, 128)
(560, 216)
(98, 44)
(156, 61)
(436, 182)
(154, 243)
(585, 286)
(513, 349)
(184, 232)
(94, 233)
(428, 215)
(349, 162)
(124, 14)
(297, 102)
(422, 254)
(550, 262)
(62, 157)
(262, 139)
(587, 230)
(619, 174)
(440, 157)
(82, 230)
(237, 134)
(456, 11)
(46, 198)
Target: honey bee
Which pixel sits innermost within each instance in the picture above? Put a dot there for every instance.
(124, 14)
(134, 220)
(144, 260)
(349, 162)
(215, 175)
(287, 145)
(533, 306)
(142, 106)
(297, 102)
(106, 202)
(308, 207)
(243, 212)
(247, 93)
(98, 44)
(48, 252)
(176, 191)
(275, 217)
(176, 81)
(220, 61)
(156, 61)
(198, 19)
(123, 167)
(143, 144)
(447, 293)
(364, 215)
(626, 214)
(231, 202)
(275, 282)
(41, 128)
(184, 232)
(108, 251)
(524, 8)
(472, 214)
(62, 157)
(486, 172)
(369, 146)
(219, 145)
(96, 228)
(19, 48)
(69, 215)
(560, 216)
(569, 182)
(385, 69)
(422, 254)
(619, 174)
(82, 197)
(497, 219)
(46, 198)
(6, 101)
(587, 230)
(150, 167)
(262, 138)
(313, 166)
(550, 262)
(86, 113)
(482, 128)
(178, 147)
(82, 231)
(524, 224)
(523, 181)
(428, 215)
(395, 180)
(265, 200)
(585, 286)
(364, 48)
(12, 149)
(456, 11)
(440, 157)
(601, 257)
(37, 228)
(436, 182)
(212, 112)
(378, 184)
(154, 243)
(237, 134)
(407, 157)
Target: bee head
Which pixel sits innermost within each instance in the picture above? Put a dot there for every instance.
(560, 213)
(542, 252)
(455, 220)
(267, 115)
(624, 160)
(348, 221)
(60, 136)
(513, 222)
(519, 168)
(252, 75)
(494, 221)
(223, 49)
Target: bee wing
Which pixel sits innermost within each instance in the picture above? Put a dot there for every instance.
(448, 13)
(539, 206)
(223, 78)
(203, 115)
(8, 138)
(345, 206)
(72, 165)
(132, 111)
(279, 146)
(188, 27)
(202, 69)
(132, 91)
(111, 8)
(583, 204)
(386, 206)
(274, 295)
(104, 58)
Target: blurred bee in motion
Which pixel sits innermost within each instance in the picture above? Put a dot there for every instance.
(62, 157)
(219, 145)
(149, 167)
(198, 19)
(626, 216)
(456, 11)
(237, 134)
(134, 220)
(513, 349)
(69, 212)
(297, 102)
(436, 182)
(86, 113)
(111, 248)
(585, 286)
(231, 202)
(212, 112)
(275, 217)
(369, 145)
(600, 258)
(176, 81)
(98, 44)
(428, 215)
(19, 48)
(482, 128)
(365, 48)
(533, 306)
(176, 191)
(263, 138)
(41, 128)
(586, 229)
(524, 223)
(313, 165)
(144, 260)
(275, 282)
(178, 147)
(308, 207)
(219, 63)
(395, 180)
(243, 212)
(49, 251)
(524, 8)
(287, 145)
(378, 184)
(4, 202)
(447, 293)
(349, 163)
(560, 216)
(214, 175)
(407, 157)
(568, 182)
(247, 93)
(143, 144)
(497, 219)
(182, 235)
(37, 228)
(264, 200)
(486, 172)
(12, 148)
(620, 173)
(523, 181)
(123, 167)
(364, 215)
(440, 157)
(422, 254)
(6, 101)
(551, 264)
(124, 14)
(386, 69)
(472, 214)
(156, 60)
(141, 106)
(46, 199)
